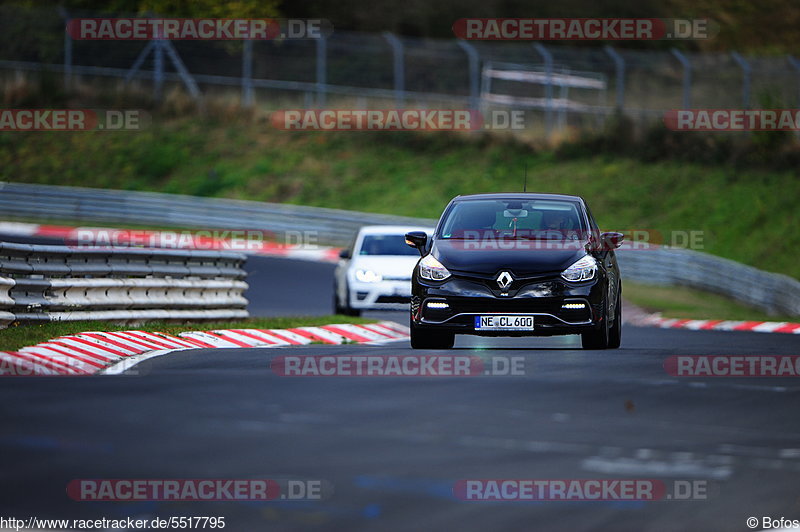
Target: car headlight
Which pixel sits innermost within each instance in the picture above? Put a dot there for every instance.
(582, 270)
(368, 276)
(432, 269)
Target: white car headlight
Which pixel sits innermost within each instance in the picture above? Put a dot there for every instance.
(368, 276)
(581, 270)
(432, 269)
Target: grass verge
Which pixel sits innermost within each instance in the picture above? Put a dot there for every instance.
(684, 302)
(17, 337)
(745, 214)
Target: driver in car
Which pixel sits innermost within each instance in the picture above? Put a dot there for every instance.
(559, 222)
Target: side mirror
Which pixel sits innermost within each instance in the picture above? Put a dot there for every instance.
(417, 239)
(344, 253)
(611, 240)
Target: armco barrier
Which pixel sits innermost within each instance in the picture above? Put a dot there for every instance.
(769, 292)
(52, 283)
(41, 202)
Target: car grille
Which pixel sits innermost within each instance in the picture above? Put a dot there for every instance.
(517, 284)
(472, 305)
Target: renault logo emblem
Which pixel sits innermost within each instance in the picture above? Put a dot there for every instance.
(504, 280)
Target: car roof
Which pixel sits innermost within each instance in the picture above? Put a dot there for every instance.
(519, 196)
(391, 229)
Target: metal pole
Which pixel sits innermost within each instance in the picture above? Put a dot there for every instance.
(247, 73)
(687, 77)
(619, 66)
(67, 48)
(547, 57)
(747, 71)
(322, 70)
(399, 70)
(183, 72)
(158, 67)
(137, 64)
(486, 81)
(796, 64)
(474, 72)
(563, 94)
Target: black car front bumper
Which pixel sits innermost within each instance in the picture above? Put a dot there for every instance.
(547, 298)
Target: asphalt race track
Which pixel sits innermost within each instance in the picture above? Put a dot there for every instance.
(392, 448)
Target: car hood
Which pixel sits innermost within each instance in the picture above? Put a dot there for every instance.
(393, 267)
(524, 258)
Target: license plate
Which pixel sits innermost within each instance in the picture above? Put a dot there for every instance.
(503, 323)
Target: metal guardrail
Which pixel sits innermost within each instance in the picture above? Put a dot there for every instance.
(772, 293)
(46, 202)
(65, 283)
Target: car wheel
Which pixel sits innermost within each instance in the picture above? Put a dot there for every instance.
(615, 335)
(337, 308)
(598, 339)
(345, 309)
(422, 339)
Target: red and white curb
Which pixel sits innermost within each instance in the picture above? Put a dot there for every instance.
(655, 320)
(111, 353)
(168, 239)
(101, 236)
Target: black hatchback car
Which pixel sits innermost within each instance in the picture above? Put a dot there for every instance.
(516, 264)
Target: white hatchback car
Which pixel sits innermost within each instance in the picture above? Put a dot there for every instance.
(375, 272)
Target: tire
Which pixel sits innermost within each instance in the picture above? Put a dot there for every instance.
(343, 310)
(422, 339)
(615, 334)
(337, 308)
(599, 339)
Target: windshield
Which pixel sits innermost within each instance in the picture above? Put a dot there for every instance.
(385, 245)
(532, 219)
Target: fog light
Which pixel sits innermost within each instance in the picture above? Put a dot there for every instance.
(437, 304)
(573, 306)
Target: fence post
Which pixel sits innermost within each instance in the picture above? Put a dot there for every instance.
(247, 73)
(747, 71)
(474, 72)
(322, 71)
(796, 64)
(619, 67)
(399, 69)
(486, 81)
(67, 48)
(137, 64)
(158, 70)
(187, 78)
(547, 57)
(687, 77)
